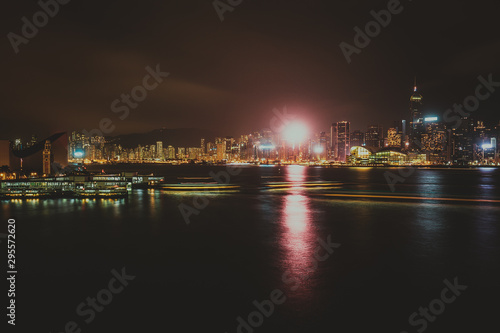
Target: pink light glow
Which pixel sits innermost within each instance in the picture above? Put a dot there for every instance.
(298, 239)
(295, 132)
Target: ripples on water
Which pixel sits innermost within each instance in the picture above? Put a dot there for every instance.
(397, 248)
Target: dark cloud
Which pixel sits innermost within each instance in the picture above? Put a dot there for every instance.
(228, 76)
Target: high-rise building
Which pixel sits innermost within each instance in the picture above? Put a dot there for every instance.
(404, 138)
(159, 150)
(229, 140)
(171, 153)
(462, 150)
(211, 148)
(357, 138)
(393, 138)
(323, 146)
(434, 140)
(318, 149)
(340, 140)
(374, 136)
(221, 147)
(181, 153)
(489, 149)
(194, 153)
(416, 119)
(202, 145)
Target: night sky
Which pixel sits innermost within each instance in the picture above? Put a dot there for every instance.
(228, 76)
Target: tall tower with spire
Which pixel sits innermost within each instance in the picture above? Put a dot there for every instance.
(416, 118)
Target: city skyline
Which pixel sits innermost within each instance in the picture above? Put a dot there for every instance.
(457, 137)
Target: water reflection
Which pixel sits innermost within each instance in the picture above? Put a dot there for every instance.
(298, 238)
(430, 183)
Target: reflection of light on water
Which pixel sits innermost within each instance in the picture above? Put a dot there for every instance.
(298, 240)
(487, 170)
(297, 233)
(296, 173)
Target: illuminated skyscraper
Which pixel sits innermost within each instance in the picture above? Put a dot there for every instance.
(323, 146)
(340, 140)
(404, 138)
(434, 140)
(159, 150)
(416, 119)
(220, 144)
(357, 138)
(318, 149)
(171, 153)
(202, 145)
(393, 138)
(374, 136)
(181, 153)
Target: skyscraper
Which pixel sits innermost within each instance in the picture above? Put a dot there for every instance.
(319, 147)
(181, 153)
(434, 140)
(202, 145)
(159, 150)
(416, 119)
(340, 140)
(357, 138)
(403, 134)
(374, 136)
(171, 153)
(393, 137)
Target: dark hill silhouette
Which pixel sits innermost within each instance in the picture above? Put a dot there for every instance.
(177, 137)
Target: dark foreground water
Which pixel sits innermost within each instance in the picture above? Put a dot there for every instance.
(389, 255)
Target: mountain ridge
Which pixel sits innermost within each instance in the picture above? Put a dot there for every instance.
(176, 137)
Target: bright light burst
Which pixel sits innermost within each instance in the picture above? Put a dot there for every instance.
(295, 132)
(318, 149)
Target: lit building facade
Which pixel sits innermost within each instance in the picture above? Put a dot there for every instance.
(374, 136)
(340, 140)
(159, 150)
(357, 138)
(371, 156)
(416, 119)
(393, 138)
